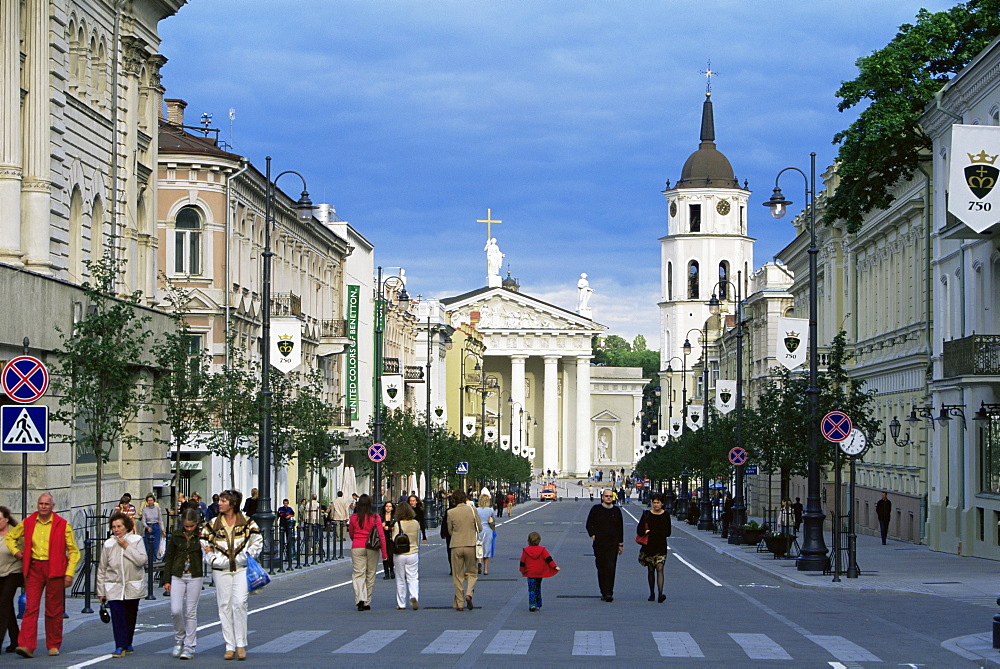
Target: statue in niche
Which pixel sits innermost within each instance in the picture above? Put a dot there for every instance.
(602, 446)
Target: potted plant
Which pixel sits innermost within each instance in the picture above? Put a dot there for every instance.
(752, 533)
(778, 543)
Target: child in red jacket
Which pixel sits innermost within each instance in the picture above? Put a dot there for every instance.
(536, 564)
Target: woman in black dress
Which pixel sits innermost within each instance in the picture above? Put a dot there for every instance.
(388, 509)
(655, 526)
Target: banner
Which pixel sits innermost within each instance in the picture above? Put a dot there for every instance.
(351, 366)
(286, 343)
(392, 391)
(661, 437)
(439, 416)
(469, 426)
(695, 416)
(973, 194)
(791, 345)
(490, 434)
(516, 450)
(505, 442)
(676, 427)
(725, 396)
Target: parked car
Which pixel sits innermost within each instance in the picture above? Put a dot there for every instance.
(548, 493)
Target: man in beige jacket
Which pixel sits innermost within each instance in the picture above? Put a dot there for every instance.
(464, 527)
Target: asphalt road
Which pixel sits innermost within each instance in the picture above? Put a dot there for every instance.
(718, 612)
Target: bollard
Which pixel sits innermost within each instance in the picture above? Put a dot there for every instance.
(298, 548)
(282, 546)
(343, 531)
(87, 548)
(150, 551)
(996, 627)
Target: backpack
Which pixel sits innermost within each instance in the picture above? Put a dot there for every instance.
(401, 542)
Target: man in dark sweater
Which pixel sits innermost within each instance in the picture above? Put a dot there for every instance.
(883, 510)
(606, 528)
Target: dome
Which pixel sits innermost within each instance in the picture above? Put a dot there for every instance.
(707, 167)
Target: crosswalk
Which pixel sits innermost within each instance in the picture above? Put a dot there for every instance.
(514, 642)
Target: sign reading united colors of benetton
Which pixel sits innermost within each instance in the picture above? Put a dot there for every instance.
(973, 192)
(353, 300)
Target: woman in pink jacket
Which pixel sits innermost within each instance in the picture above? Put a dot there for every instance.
(365, 560)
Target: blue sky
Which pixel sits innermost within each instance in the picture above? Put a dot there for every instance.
(564, 117)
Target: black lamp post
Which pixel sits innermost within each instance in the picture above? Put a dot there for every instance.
(432, 331)
(705, 502)
(304, 208)
(466, 354)
(813, 555)
(686, 349)
(403, 300)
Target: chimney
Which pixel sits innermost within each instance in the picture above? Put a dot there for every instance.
(175, 111)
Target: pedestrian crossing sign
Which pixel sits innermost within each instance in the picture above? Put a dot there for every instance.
(25, 429)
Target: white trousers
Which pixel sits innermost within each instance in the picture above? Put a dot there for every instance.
(184, 593)
(231, 593)
(407, 578)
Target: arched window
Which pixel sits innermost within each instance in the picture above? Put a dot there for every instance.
(187, 241)
(75, 266)
(723, 280)
(670, 281)
(693, 280)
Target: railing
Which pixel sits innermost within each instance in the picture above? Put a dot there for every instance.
(390, 365)
(977, 355)
(333, 328)
(342, 417)
(414, 373)
(286, 304)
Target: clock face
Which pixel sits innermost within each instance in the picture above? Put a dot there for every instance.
(723, 207)
(854, 444)
(673, 209)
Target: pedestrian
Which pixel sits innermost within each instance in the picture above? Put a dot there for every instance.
(120, 580)
(418, 515)
(606, 529)
(182, 578)
(536, 564)
(654, 525)
(727, 514)
(621, 495)
(407, 564)
(365, 560)
(311, 517)
(213, 509)
(11, 578)
(196, 503)
(340, 513)
(250, 506)
(510, 503)
(786, 518)
(48, 562)
(387, 516)
(227, 542)
(125, 507)
(445, 534)
(883, 509)
(464, 528)
(153, 526)
(797, 514)
(499, 502)
(286, 521)
(487, 536)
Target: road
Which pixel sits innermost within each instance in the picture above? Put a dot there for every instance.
(718, 612)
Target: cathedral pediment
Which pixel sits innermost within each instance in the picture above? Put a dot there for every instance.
(497, 309)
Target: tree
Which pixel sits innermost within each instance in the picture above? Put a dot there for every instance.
(886, 142)
(234, 409)
(99, 373)
(639, 343)
(313, 417)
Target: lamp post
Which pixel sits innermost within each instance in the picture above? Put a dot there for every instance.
(739, 507)
(265, 516)
(704, 502)
(686, 349)
(466, 354)
(813, 555)
(403, 300)
(432, 331)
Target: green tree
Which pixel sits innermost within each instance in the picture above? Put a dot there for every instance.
(313, 418)
(886, 142)
(639, 343)
(99, 375)
(234, 409)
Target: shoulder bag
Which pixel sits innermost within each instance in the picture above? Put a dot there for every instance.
(374, 540)
(642, 538)
(401, 542)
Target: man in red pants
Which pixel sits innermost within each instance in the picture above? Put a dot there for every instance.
(49, 554)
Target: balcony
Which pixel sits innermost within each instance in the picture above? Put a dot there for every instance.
(333, 338)
(390, 366)
(414, 374)
(978, 355)
(342, 417)
(286, 304)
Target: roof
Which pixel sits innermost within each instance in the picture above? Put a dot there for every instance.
(446, 301)
(707, 167)
(174, 139)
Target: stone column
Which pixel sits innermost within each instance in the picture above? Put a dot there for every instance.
(517, 398)
(10, 133)
(36, 185)
(550, 414)
(584, 457)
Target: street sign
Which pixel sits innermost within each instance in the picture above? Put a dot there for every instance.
(738, 456)
(376, 452)
(836, 426)
(855, 444)
(462, 468)
(25, 429)
(25, 379)
(750, 470)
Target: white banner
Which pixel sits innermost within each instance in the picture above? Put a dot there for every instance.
(286, 343)
(661, 437)
(973, 193)
(469, 426)
(392, 391)
(439, 416)
(530, 453)
(695, 417)
(516, 450)
(793, 333)
(490, 434)
(676, 427)
(505, 442)
(725, 396)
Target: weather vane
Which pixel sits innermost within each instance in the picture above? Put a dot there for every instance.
(709, 73)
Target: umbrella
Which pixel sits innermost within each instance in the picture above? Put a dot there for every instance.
(411, 484)
(421, 485)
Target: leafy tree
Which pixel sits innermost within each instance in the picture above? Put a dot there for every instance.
(614, 342)
(234, 409)
(639, 343)
(98, 374)
(886, 142)
(313, 418)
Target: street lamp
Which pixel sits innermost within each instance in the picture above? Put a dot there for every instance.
(444, 332)
(264, 516)
(466, 354)
(403, 300)
(739, 507)
(812, 556)
(704, 502)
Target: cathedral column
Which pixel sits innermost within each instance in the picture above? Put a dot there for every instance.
(36, 184)
(10, 133)
(550, 414)
(583, 431)
(517, 398)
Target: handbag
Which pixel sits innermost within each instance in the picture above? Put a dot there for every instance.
(374, 540)
(480, 549)
(257, 578)
(104, 614)
(642, 538)
(401, 542)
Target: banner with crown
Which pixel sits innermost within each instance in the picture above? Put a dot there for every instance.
(439, 416)
(662, 437)
(469, 426)
(505, 442)
(392, 391)
(286, 343)
(973, 193)
(791, 346)
(490, 434)
(676, 426)
(695, 417)
(725, 396)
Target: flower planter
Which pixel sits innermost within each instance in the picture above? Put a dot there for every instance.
(778, 545)
(752, 537)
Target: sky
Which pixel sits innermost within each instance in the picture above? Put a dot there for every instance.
(564, 118)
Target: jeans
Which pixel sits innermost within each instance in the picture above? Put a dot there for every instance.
(184, 593)
(152, 536)
(534, 592)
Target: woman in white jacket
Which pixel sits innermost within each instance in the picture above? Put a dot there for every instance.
(226, 542)
(120, 579)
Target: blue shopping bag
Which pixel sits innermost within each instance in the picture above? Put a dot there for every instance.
(257, 578)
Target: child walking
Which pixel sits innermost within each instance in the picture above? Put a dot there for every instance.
(536, 564)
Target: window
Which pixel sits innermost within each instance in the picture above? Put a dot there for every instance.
(187, 241)
(694, 217)
(670, 281)
(723, 278)
(990, 456)
(693, 280)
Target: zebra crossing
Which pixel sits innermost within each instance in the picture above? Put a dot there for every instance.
(512, 642)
